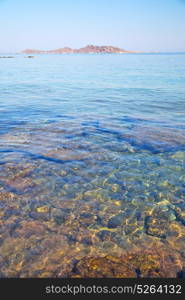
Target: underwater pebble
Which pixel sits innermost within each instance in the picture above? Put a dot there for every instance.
(42, 209)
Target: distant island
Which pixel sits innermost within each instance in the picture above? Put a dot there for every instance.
(87, 49)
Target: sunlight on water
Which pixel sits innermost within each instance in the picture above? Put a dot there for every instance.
(92, 166)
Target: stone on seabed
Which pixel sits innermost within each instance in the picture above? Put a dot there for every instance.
(116, 221)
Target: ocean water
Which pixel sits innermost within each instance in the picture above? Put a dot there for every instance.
(92, 165)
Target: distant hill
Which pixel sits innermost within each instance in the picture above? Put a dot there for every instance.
(86, 49)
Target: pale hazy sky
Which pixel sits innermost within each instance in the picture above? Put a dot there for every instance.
(131, 24)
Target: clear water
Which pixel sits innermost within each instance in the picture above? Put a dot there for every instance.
(92, 163)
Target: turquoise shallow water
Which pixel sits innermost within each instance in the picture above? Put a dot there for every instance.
(92, 160)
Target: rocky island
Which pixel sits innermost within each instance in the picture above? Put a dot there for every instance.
(87, 49)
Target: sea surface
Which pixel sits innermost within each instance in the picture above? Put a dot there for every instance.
(92, 165)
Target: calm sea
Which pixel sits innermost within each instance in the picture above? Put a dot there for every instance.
(92, 162)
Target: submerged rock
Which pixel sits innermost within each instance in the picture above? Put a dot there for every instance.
(147, 264)
(180, 215)
(116, 220)
(158, 223)
(109, 267)
(87, 219)
(39, 216)
(59, 215)
(105, 235)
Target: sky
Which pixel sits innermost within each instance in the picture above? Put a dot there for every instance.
(140, 25)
